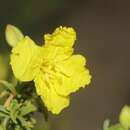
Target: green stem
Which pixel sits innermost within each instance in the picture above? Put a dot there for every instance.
(8, 101)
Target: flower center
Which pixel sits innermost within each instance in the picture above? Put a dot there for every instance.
(49, 71)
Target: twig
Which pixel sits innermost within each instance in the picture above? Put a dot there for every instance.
(8, 101)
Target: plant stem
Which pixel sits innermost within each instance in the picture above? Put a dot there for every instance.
(8, 101)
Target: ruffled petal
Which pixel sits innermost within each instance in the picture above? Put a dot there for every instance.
(54, 102)
(72, 75)
(62, 36)
(56, 54)
(23, 59)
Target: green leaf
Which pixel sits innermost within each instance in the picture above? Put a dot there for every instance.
(14, 110)
(106, 124)
(27, 108)
(28, 125)
(17, 127)
(2, 109)
(1, 127)
(125, 116)
(9, 86)
(3, 114)
(117, 127)
(4, 123)
(3, 94)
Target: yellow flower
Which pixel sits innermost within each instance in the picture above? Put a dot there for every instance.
(54, 69)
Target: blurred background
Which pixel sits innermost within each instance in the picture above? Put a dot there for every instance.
(103, 36)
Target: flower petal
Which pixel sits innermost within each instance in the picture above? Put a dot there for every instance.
(54, 102)
(56, 54)
(62, 36)
(23, 59)
(73, 75)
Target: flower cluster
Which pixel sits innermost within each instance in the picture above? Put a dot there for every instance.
(53, 67)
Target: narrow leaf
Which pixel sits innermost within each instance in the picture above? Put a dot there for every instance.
(26, 109)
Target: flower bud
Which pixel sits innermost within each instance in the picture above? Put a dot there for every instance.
(13, 35)
(125, 117)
